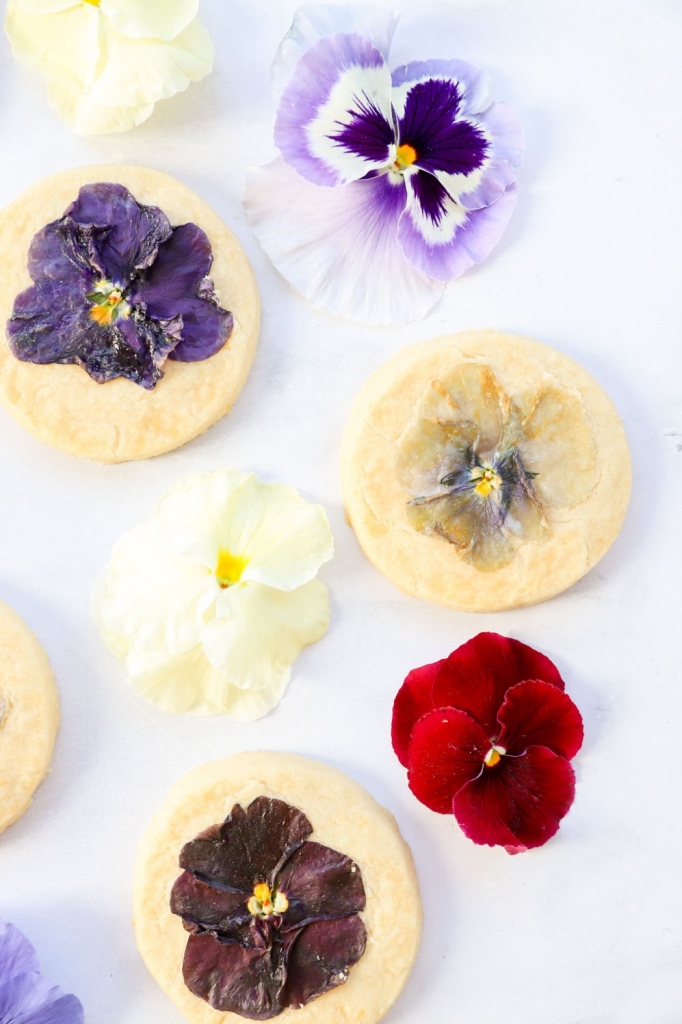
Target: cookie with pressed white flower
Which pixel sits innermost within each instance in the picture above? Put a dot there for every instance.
(130, 313)
(29, 716)
(272, 886)
(484, 471)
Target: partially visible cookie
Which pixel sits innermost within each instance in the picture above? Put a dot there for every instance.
(120, 420)
(29, 716)
(344, 817)
(484, 471)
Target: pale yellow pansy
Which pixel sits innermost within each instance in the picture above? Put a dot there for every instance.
(212, 600)
(107, 62)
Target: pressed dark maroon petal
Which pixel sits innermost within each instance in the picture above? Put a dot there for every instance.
(477, 675)
(447, 749)
(430, 125)
(204, 907)
(320, 883)
(321, 957)
(519, 803)
(536, 713)
(134, 231)
(234, 978)
(414, 699)
(253, 845)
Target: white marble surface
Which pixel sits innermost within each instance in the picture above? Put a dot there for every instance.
(586, 929)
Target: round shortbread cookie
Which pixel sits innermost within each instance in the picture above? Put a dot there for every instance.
(29, 716)
(120, 420)
(343, 816)
(575, 535)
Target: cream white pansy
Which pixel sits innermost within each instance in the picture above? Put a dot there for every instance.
(212, 600)
(107, 62)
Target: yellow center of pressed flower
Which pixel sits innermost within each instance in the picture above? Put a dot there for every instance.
(108, 303)
(229, 569)
(264, 902)
(487, 480)
(494, 756)
(405, 156)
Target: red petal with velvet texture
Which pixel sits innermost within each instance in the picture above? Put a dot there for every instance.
(477, 675)
(412, 701)
(537, 714)
(447, 750)
(519, 803)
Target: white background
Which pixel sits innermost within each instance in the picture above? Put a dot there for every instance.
(588, 929)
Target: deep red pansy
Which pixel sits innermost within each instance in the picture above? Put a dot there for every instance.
(487, 734)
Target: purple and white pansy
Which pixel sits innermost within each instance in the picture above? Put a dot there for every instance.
(389, 183)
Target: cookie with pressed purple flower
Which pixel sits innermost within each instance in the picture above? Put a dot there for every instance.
(272, 886)
(130, 313)
(484, 471)
(29, 716)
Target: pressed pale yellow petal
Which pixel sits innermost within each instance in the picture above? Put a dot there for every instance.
(84, 116)
(160, 19)
(134, 72)
(474, 391)
(61, 46)
(559, 447)
(261, 631)
(429, 450)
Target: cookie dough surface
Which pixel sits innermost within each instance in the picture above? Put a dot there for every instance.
(29, 716)
(430, 567)
(120, 420)
(345, 817)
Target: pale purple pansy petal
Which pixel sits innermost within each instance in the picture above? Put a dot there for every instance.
(334, 123)
(339, 247)
(313, 22)
(17, 955)
(443, 239)
(26, 997)
(505, 153)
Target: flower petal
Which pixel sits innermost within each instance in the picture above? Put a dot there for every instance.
(86, 116)
(334, 122)
(31, 999)
(414, 699)
(471, 82)
(470, 392)
(519, 803)
(431, 449)
(219, 909)
(447, 749)
(444, 142)
(60, 44)
(477, 675)
(260, 632)
(535, 713)
(313, 22)
(321, 957)
(442, 238)
(17, 955)
(320, 883)
(246, 981)
(156, 18)
(339, 247)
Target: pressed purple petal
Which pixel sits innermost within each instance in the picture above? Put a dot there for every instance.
(519, 803)
(321, 957)
(471, 82)
(334, 122)
(433, 126)
(250, 847)
(320, 883)
(443, 239)
(134, 231)
(17, 955)
(536, 713)
(204, 907)
(234, 978)
(340, 247)
(65, 251)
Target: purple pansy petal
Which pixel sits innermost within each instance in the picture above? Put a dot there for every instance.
(440, 237)
(472, 83)
(340, 247)
(334, 122)
(46, 323)
(319, 883)
(204, 907)
(505, 153)
(17, 955)
(234, 978)
(64, 251)
(313, 22)
(135, 231)
(321, 957)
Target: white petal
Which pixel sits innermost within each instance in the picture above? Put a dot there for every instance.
(338, 246)
(141, 71)
(62, 46)
(260, 634)
(154, 599)
(85, 116)
(315, 21)
(160, 19)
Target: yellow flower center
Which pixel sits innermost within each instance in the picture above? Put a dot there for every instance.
(494, 756)
(405, 156)
(264, 902)
(95, 3)
(486, 479)
(229, 569)
(108, 304)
